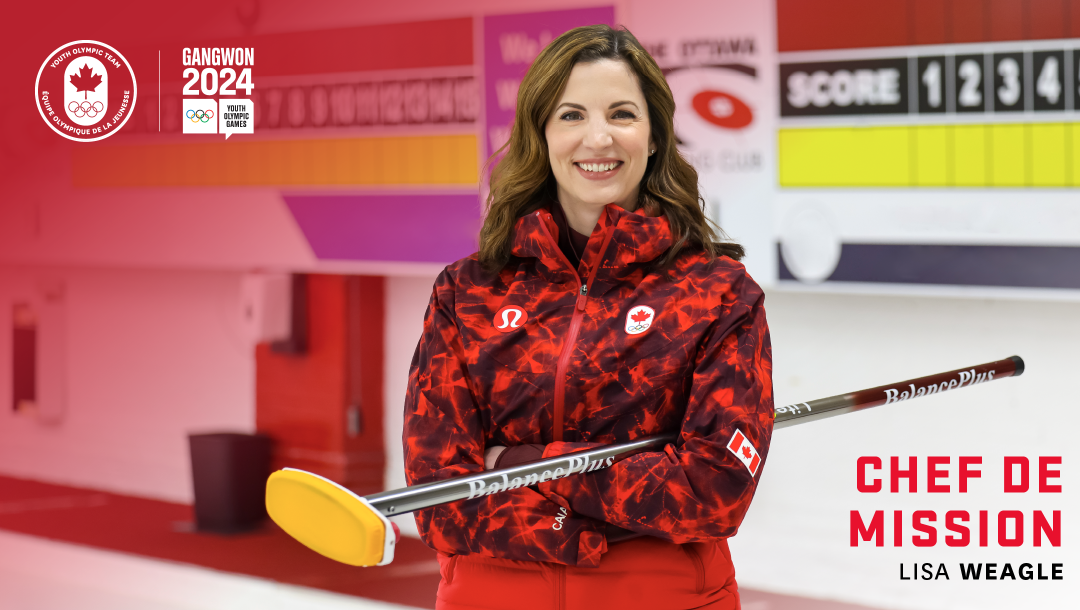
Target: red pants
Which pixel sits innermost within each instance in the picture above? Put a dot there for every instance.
(643, 573)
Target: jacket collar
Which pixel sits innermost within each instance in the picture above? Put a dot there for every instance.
(637, 238)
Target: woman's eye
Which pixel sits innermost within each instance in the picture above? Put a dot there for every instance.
(623, 114)
(571, 116)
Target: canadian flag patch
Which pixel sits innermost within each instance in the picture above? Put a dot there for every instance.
(745, 451)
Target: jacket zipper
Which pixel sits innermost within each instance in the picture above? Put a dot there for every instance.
(575, 327)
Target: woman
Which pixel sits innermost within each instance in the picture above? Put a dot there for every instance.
(599, 309)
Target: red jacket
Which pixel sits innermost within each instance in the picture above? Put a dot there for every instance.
(543, 353)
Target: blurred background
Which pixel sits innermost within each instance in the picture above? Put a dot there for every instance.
(902, 173)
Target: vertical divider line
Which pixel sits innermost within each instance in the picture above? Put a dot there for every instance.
(913, 155)
(1068, 79)
(1029, 81)
(950, 83)
(913, 85)
(1070, 154)
(1029, 156)
(988, 108)
(913, 113)
(1028, 58)
(159, 90)
(950, 155)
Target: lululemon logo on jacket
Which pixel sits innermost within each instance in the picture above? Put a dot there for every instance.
(510, 318)
(639, 319)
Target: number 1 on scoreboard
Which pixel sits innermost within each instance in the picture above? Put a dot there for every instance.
(932, 92)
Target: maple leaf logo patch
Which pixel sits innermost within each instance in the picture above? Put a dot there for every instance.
(85, 81)
(639, 319)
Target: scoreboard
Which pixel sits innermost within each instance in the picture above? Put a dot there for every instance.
(999, 80)
(911, 163)
(960, 115)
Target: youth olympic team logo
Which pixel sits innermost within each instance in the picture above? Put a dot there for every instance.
(639, 319)
(510, 318)
(85, 90)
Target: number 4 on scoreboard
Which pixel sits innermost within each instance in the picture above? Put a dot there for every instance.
(1049, 69)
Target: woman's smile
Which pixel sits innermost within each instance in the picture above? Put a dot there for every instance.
(598, 169)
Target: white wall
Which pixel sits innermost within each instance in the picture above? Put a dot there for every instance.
(151, 356)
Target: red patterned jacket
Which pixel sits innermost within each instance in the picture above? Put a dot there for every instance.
(573, 367)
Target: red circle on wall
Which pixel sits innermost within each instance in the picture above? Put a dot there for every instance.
(723, 109)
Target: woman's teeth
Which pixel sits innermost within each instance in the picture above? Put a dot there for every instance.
(599, 167)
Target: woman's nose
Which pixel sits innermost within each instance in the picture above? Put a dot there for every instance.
(599, 135)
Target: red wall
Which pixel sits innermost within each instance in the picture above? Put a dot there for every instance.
(805, 25)
(302, 400)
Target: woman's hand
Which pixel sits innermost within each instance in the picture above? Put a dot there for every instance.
(492, 455)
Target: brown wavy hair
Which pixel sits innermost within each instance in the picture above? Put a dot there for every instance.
(522, 181)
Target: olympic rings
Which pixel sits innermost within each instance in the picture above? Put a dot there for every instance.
(198, 116)
(638, 328)
(85, 109)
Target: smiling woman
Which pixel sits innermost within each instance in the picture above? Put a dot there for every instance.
(599, 141)
(595, 97)
(601, 308)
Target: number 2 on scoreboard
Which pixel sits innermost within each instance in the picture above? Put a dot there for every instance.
(969, 73)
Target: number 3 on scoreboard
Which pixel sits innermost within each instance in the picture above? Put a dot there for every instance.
(1008, 82)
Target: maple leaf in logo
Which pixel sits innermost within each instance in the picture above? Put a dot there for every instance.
(86, 80)
(640, 316)
(746, 451)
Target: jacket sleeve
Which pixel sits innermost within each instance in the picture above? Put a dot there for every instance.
(697, 489)
(444, 437)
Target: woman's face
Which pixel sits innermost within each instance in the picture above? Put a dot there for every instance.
(598, 137)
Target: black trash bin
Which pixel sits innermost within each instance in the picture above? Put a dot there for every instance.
(229, 472)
